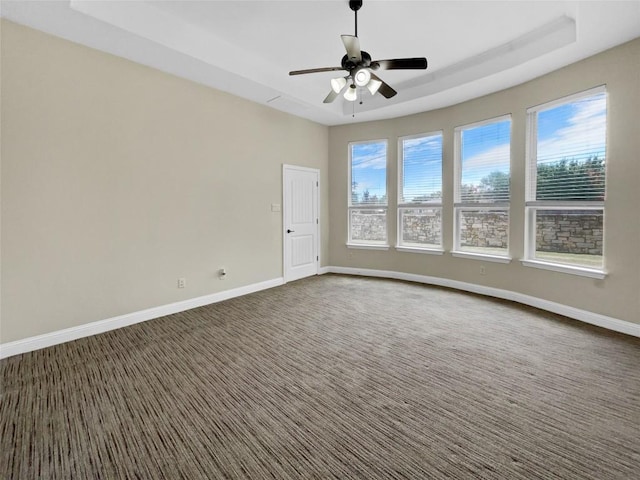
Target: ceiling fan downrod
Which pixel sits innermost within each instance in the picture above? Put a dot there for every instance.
(355, 6)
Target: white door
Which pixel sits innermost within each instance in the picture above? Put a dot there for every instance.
(300, 222)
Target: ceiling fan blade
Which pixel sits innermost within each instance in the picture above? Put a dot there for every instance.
(315, 70)
(352, 45)
(418, 63)
(331, 97)
(385, 90)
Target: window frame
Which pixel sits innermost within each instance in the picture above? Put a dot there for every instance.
(370, 244)
(459, 206)
(412, 247)
(532, 205)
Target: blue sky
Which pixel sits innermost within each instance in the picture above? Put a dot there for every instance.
(422, 166)
(485, 149)
(575, 130)
(369, 168)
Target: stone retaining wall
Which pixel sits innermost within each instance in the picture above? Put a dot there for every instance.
(422, 227)
(557, 230)
(569, 232)
(484, 229)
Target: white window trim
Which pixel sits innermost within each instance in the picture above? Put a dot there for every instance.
(416, 249)
(531, 174)
(436, 249)
(369, 245)
(458, 205)
(481, 256)
(568, 99)
(571, 269)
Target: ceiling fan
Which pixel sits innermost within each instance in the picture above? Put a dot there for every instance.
(360, 68)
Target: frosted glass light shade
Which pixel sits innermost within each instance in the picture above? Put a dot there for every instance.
(337, 84)
(362, 77)
(351, 94)
(374, 85)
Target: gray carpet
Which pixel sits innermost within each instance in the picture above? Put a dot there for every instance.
(330, 377)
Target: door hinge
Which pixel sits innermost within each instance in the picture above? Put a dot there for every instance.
(317, 258)
(317, 184)
(317, 222)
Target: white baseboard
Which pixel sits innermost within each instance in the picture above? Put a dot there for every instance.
(571, 312)
(61, 336)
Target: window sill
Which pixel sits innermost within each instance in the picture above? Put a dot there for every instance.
(367, 246)
(482, 256)
(428, 251)
(572, 270)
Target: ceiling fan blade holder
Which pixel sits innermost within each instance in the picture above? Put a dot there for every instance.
(417, 63)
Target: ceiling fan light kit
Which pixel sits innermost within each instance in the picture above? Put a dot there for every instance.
(351, 94)
(337, 84)
(362, 77)
(359, 65)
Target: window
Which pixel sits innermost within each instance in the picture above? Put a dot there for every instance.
(420, 191)
(566, 181)
(481, 202)
(368, 196)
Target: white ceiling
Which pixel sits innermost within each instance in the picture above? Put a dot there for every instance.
(248, 47)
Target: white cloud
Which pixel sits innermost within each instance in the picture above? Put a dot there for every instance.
(370, 156)
(483, 163)
(584, 135)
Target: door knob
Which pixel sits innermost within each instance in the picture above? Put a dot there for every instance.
(290, 231)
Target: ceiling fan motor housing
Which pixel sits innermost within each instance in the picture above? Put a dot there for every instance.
(348, 64)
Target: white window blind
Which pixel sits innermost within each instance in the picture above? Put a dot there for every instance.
(484, 163)
(570, 150)
(420, 191)
(369, 173)
(421, 169)
(368, 192)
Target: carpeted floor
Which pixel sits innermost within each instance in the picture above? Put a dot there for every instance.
(330, 377)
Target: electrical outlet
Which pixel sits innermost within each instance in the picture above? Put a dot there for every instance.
(483, 270)
(222, 273)
(182, 282)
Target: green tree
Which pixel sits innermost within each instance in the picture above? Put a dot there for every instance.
(494, 186)
(571, 180)
(433, 196)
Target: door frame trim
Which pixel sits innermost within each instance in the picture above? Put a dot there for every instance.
(285, 167)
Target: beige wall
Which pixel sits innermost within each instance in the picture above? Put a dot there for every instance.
(117, 179)
(618, 295)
